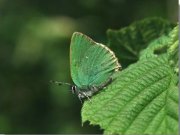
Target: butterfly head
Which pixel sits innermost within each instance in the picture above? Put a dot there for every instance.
(74, 89)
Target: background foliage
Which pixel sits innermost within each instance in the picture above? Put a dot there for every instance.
(34, 48)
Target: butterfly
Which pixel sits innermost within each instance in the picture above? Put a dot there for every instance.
(92, 66)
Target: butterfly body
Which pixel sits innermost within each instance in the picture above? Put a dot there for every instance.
(90, 90)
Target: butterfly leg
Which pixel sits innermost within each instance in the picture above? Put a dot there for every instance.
(86, 96)
(79, 96)
(83, 94)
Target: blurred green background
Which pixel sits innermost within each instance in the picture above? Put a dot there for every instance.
(34, 48)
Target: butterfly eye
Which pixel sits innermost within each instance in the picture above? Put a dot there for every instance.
(73, 89)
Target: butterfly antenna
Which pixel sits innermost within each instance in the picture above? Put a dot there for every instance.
(60, 83)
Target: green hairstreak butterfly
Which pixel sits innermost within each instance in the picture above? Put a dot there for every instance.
(92, 65)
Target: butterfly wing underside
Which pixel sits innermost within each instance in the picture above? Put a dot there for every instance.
(92, 64)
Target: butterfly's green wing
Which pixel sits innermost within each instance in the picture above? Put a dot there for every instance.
(92, 64)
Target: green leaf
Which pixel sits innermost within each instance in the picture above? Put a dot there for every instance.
(164, 45)
(173, 46)
(143, 98)
(129, 41)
